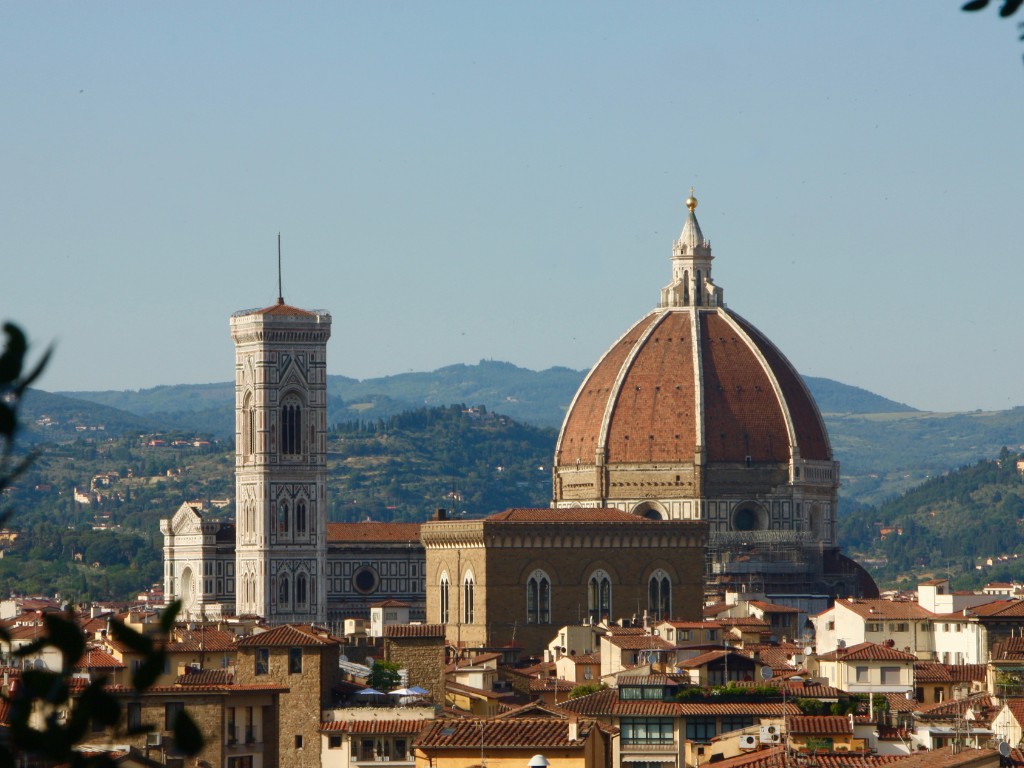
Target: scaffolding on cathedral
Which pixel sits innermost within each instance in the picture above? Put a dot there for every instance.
(763, 562)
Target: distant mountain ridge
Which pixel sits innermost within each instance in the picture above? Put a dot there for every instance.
(535, 397)
(884, 447)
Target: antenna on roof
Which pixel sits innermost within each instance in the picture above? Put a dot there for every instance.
(280, 293)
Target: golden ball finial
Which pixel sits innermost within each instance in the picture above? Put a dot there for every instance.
(691, 201)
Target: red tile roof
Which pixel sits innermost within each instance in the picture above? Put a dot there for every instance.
(638, 642)
(280, 308)
(770, 758)
(288, 635)
(339, 533)
(414, 630)
(877, 608)
(933, 672)
(607, 702)
(999, 608)
(825, 725)
(513, 733)
(574, 515)
(95, 658)
(206, 677)
(395, 727)
(868, 652)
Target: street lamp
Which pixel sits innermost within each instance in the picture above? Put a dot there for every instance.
(538, 761)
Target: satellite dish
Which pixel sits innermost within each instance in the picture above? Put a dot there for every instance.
(1004, 749)
(766, 673)
(841, 644)
(809, 650)
(343, 658)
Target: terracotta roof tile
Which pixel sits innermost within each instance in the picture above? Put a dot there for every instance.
(741, 411)
(820, 724)
(581, 515)
(1000, 608)
(581, 432)
(810, 429)
(933, 672)
(281, 308)
(654, 413)
(288, 635)
(770, 758)
(885, 609)
(206, 677)
(395, 727)
(639, 642)
(339, 533)
(607, 702)
(414, 630)
(513, 733)
(96, 658)
(868, 652)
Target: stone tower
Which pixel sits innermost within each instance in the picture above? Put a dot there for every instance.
(281, 462)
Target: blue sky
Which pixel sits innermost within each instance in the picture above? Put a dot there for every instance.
(465, 180)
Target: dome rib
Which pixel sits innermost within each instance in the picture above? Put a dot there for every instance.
(780, 396)
(812, 440)
(743, 418)
(644, 401)
(578, 438)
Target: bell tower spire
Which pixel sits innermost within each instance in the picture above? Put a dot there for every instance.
(691, 284)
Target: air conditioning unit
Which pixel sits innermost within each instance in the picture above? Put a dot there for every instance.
(748, 741)
(770, 734)
(154, 739)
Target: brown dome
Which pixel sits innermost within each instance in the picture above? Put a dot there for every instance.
(688, 377)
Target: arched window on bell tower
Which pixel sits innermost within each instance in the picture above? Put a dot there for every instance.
(300, 517)
(248, 427)
(290, 426)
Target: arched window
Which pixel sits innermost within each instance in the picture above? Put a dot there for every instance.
(467, 603)
(301, 596)
(291, 426)
(538, 598)
(300, 517)
(445, 585)
(659, 596)
(686, 288)
(248, 426)
(698, 290)
(282, 592)
(599, 596)
(282, 518)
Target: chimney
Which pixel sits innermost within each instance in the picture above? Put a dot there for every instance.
(441, 514)
(574, 727)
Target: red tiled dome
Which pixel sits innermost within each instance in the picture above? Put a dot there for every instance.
(688, 377)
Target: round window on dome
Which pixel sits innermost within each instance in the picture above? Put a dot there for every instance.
(365, 580)
(749, 517)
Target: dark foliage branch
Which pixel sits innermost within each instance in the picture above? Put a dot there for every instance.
(1009, 6)
(46, 717)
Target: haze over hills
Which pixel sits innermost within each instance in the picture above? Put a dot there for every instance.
(534, 397)
(884, 447)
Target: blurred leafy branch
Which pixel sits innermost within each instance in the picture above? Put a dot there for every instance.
(38, 699)
(1009, 6)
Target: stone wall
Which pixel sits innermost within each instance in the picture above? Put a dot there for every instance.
(423, 657)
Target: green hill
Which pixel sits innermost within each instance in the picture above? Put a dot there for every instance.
(397, 468)
(884, 447)
(950, 524)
